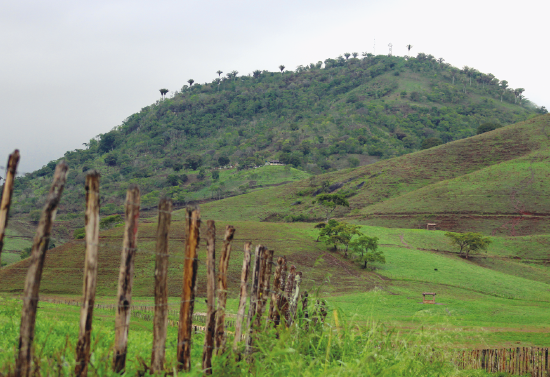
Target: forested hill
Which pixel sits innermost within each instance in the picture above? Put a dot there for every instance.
(346, 112)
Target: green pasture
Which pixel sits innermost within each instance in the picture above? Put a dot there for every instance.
(342, 346)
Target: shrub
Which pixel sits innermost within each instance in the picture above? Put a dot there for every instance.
(109, 221)
(431, 142)
(486, 127)
(79, 233)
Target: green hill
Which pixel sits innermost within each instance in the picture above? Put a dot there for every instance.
(494, 183)
(351, 112)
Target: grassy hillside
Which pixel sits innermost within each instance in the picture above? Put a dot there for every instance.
(316, 119)
(490, 182)
(287, 239)
(504, 292)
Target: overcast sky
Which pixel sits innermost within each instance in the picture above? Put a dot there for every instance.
(70, 70)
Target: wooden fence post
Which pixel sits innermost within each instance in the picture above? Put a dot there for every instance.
(90, 273)
(263, 293)
(289, 287)
(210, 297)
(13, 160)
(160, 320)
(304, 309)
(242, 299)
(258, 255)
(126, 277)
(295, 296)
(222, 289)
(192, 224)
(34, 273)
(276, 287)
(281, 299)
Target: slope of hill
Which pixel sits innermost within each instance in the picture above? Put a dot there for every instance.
(351, 112)
(494, 182)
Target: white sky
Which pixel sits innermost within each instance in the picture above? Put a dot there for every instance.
(70, 70)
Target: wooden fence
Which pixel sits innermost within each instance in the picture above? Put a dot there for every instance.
(284, 297)
(519, 361)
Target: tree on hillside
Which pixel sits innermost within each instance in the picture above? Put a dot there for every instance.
(468, 242)
(355, 54)
(282, 68)
(223, 161)
(163, 92)
(409, 46)
(486, 127)
(256, 73)
(338, 233)
(440, 60)
(234, 74)
(367, 249)
(347, 55)
(431, 142)
(193, 162)
(503, 85)
(190, 81)
(219, 73)
(329, 202)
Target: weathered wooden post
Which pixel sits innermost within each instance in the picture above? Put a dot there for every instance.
(160, 321)
(258, 255)
(263, 293)
(222, 289)
(34, 273)
(289, 287)
(305, 310)
(294, 297)
(281, 299)
(90, 273)
(126, 277)
(7, 192)
(242, 299)
(276, 288)
(210, 297)
(192, 224)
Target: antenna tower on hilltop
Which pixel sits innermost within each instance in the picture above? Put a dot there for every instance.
(390, 46)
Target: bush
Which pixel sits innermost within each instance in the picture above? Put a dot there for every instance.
(109, 221)
(295, 218)
(431, 142)
(25, 253)
(79, 233)
(34, 215)
(486, 127)
(215, 175)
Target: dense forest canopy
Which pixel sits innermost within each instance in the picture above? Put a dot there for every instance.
(348, 111)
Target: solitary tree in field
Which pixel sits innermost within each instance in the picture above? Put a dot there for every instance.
(282, 68)
(367, 249)
(190, 81)
(329, 202)
(468, 242)
(338, 233)
(163, 92)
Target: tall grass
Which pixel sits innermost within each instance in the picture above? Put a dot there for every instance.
(339, 347)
